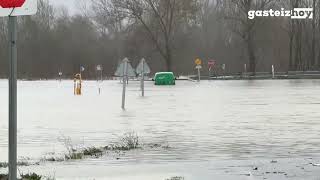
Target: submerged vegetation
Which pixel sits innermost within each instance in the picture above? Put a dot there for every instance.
(29, 176)
(127, 142)
(20, 163)
(176, 178)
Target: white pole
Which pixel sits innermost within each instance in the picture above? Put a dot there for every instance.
(199, 74)
(142, 78)
(125, 74)
(273, 71)
(13, 98)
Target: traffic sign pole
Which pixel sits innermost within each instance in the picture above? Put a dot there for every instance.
(142, 78)
(12, 9)
(199, 74)
(125, 77)
(13, 98)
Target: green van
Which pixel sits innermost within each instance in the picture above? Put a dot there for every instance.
(165, 78)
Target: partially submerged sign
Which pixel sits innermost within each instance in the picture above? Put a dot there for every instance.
(143, 67)
(99, 68)
(198, 61)
(130, 70)
(211, 63)
(198, 67)
(18, 7)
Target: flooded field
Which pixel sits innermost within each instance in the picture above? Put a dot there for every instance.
(222, 129)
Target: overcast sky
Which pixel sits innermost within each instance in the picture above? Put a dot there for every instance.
(68, 3)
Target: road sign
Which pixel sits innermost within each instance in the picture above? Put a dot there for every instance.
(198, 61)
(143, 67)
(99, 68)
(198, 67)
(211, 63)
(223, 66)
(120, 69)
(18, 7)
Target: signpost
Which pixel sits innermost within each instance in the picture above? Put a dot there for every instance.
(273, 71)
(12, 9)
(211, 64)
(198, 63)
(223, 69)
(143, 69)
(82, 69)
(125, 77)
(125, 71)
(99, 68)
(60, 76)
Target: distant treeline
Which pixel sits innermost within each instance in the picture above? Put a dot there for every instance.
(169, 34)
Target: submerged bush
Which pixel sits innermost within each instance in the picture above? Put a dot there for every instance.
(74, 156)
(20, 163)
(93, 151)
(128, 142)
(31, 176)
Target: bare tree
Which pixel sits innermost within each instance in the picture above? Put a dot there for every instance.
(159, 18)
(237, 11)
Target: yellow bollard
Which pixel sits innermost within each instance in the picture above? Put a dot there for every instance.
(77, 88)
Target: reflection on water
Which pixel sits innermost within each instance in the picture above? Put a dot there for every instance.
(200, 122)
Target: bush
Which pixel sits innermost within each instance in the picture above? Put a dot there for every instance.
(93, 151)
(30, 176)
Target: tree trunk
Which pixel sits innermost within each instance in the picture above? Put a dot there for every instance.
(290, 52)
(252, 58)
(168, 58)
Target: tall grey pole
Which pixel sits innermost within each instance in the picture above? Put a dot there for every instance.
(142, 78)
(199, 74)
(101, 75)
(125, 77)
(13, 98)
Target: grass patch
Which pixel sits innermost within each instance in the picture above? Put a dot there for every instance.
(20, 164)
(129, 141)
(31, 176)
(93, 152)
(52, 159)
(74, 156)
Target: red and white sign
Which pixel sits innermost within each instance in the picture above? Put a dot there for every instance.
(18, 7)
(211, 63)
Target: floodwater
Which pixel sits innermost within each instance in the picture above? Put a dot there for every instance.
(214, 129)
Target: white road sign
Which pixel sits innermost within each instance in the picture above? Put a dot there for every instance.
(120, 72)
(198, 67)
(142, 67)
(18, 7)
(99, 68)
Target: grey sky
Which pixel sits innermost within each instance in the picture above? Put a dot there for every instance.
(68, 3)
